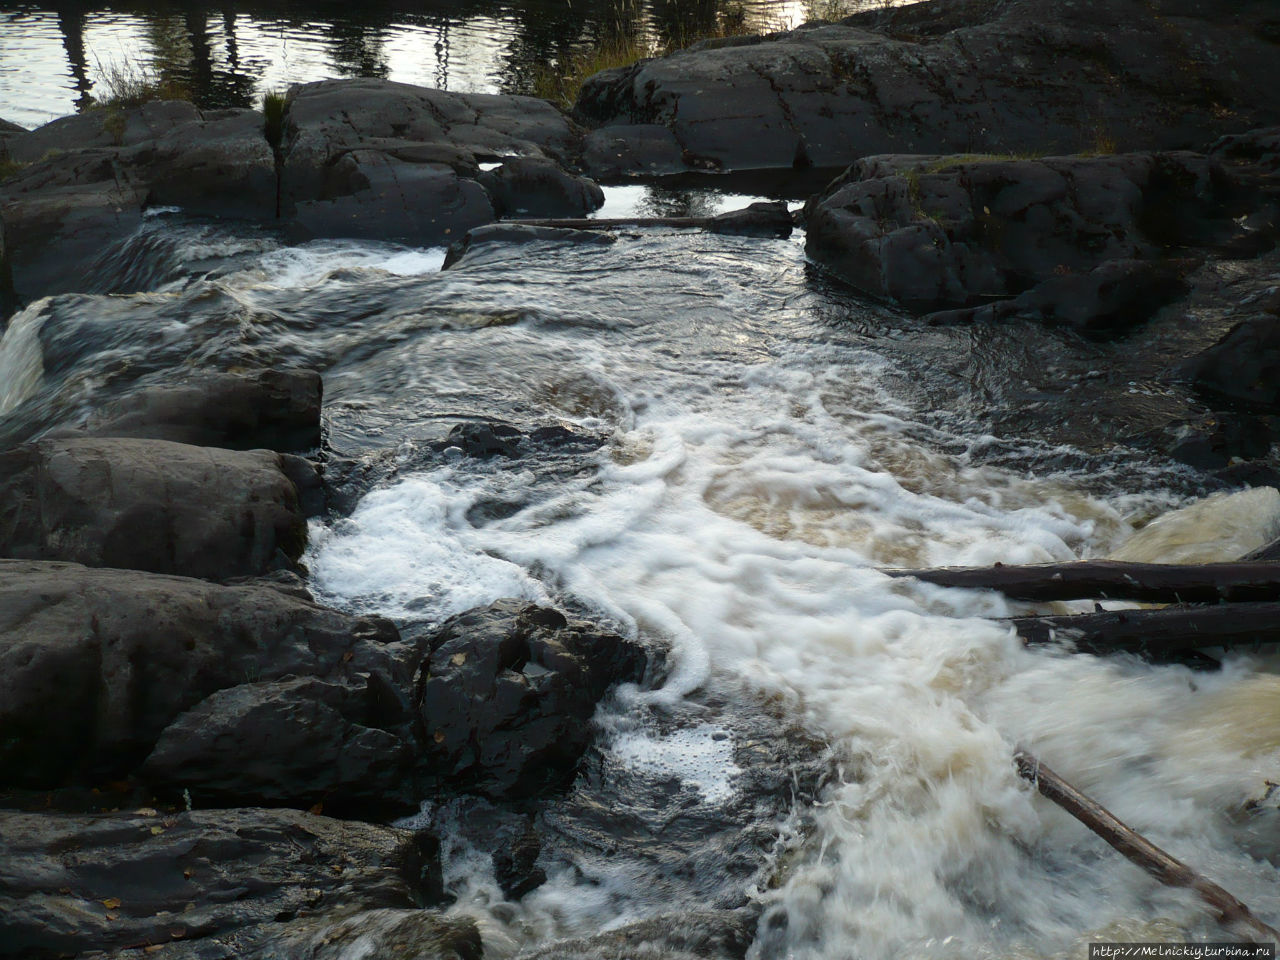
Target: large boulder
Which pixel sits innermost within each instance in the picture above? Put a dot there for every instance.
(393, 161)
(218, 165)
(211, 884)
(535, 187)
(151, 505)
(934, 232)
(506, 695)
(1021, 76)
(97, 664)
(251, 410)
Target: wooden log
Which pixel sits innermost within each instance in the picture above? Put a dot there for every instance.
(613, 223)
(1160, 634)
(1267, 552)
(1137, 849)
(1115, 580)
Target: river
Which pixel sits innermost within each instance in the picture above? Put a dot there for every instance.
(769, 442)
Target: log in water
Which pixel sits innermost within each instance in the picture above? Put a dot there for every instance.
(1115, 580)
(1159, 634)
(1137, 849)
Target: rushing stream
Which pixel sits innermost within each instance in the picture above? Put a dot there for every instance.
(765, 444)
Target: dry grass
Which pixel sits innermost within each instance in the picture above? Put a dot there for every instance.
(126, 85)
(560, 82)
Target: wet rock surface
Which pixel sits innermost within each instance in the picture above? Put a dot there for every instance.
(496, 238)
(98, 663)
(207, 883)
(702, 934)
(941, 78)
(264, 409)
(354, 158)
(151, 505)
(507, 692)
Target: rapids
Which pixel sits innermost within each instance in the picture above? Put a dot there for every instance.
(768, 443)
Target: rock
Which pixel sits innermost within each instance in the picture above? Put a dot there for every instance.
(495, 438)
(373, 195)
(510, 234)
(66, 208)
(96, 664)
(1244, 366)
(687, 935)
(201, 881)
(261, 409)
(515, 866)
(534, 187)
(9, 128)
(507, 694)
(942, 78)
(385, 934)
(1248, 474)
(632, 150)
(1218, 440)
(943, 232)
(1112, 297)
(296, 741)
(150, 505)
(765, 219)
(372, 158)
(219, 165)
(104, 128)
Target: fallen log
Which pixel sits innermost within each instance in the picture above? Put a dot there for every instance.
(1137, 849)
(1158, 634)
(1115, 580)
(763, 219)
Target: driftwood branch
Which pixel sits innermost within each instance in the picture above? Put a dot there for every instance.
(1115, 580)
(1138, 849)
(1160, 634)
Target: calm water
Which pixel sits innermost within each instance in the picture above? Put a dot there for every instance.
(53, 56)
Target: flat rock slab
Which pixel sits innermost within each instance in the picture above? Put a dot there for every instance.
(1016, 77)
(95, 664)
(150, 505)
(217, 883)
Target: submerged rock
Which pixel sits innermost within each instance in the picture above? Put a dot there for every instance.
(690, 935)
(942, 78)
(262, 409)
(506, 697)
(215, 883)
(488, 237)
(1217, 528)
(151, 505)
(97, 666)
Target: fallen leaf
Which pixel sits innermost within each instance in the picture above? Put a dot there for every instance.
(111, 903)
(318, 808)
(156, 831)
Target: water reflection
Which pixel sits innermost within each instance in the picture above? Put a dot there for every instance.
(54, 56)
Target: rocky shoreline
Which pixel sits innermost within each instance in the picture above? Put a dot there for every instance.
(195, 757)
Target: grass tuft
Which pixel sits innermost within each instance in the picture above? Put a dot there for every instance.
(274, 107)
(126, 85)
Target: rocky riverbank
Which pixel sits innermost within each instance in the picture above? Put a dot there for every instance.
(197, 759)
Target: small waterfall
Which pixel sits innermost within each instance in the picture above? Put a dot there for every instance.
(21, 358)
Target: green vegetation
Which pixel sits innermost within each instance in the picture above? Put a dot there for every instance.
(274, 107)
(10, 168)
